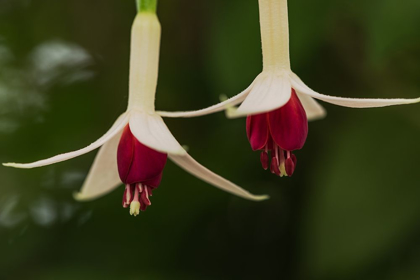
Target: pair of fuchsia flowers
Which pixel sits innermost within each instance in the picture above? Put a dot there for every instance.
(277, 104)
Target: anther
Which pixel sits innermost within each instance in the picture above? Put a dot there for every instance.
(264, 160)
(290, 163)
(290, 167)
(274, 166)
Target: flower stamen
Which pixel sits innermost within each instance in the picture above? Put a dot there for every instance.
(264, 158)
(137, 196)
(128, 195)
(275, 161)
(283, 163)
(144, 197)
(290, 163)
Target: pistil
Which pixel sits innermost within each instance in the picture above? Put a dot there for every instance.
(135, 204)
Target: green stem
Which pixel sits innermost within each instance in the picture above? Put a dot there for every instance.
(148, 6)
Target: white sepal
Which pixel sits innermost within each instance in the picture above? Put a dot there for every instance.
(116, 128)
(300, 86)
(190, 165)
(151, 131)
(103, 175)
(271, 92)
(233, 101)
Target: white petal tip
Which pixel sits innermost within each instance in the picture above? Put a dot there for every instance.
(179, 152)
(318, 117)
(79, 196)
(15, 165)
(259, 197)
(223, 97)
(232, 113)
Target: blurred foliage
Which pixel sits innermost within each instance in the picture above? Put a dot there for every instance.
(351, 211)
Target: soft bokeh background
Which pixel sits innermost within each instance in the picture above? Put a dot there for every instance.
(351, 211)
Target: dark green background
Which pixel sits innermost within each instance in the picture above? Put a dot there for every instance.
(351, 211)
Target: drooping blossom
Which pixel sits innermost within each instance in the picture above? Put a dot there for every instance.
(278, 104)
(134, 151)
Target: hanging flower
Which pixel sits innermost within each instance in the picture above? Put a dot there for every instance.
(278, 104)
(134, 151)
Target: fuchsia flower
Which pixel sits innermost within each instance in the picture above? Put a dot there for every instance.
(140, 169)
(278, 104)
(280, 131)
(134, 151)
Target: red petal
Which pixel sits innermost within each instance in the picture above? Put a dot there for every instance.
(136, 162)
(154, 182)
(289, 124)
(257, 131)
